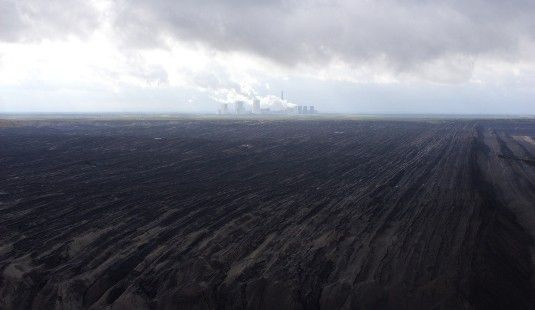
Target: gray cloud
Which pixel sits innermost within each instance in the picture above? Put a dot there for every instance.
(400, 34)
(405, 36)
(432, 40)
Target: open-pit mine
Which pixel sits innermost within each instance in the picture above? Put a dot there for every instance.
(280, 213)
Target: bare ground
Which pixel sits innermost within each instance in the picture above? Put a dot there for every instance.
(267, 214)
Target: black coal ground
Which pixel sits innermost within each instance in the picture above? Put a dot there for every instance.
(267, 214)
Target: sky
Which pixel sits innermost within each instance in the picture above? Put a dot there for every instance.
(342, 56)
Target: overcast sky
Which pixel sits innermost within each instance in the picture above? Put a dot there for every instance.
(412, 56)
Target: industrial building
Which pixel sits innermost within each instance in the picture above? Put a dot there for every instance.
(303, 109)
(256, 106)
(239, 107)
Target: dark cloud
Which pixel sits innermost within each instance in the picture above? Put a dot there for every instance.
(402, 34)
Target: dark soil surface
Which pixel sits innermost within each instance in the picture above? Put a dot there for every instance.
(267, 214)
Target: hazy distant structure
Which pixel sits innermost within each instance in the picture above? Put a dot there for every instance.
(256, 106)
(239, 107)
(265, 111)
(290, 110)
(223, 109)
(303, 109)
(282, 95)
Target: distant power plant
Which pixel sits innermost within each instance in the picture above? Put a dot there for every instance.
(241, 107)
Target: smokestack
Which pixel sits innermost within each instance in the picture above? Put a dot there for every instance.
(282, 95)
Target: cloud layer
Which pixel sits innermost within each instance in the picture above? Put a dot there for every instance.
(405, 36)
(402, 35)
(229, 50)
